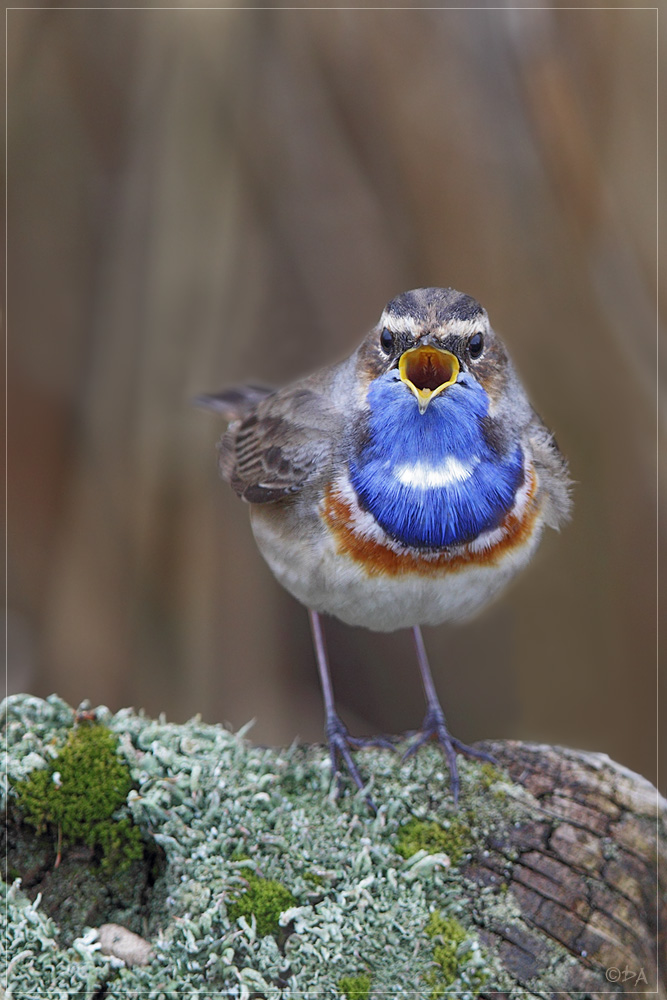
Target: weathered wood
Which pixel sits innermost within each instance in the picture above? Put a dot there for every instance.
(583, 872)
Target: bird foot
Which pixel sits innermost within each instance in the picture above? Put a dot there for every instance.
(341, 742)
(434, 727)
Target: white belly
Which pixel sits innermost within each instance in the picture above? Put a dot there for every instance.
(316, 572)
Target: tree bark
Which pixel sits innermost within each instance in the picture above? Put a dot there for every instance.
(585, 873)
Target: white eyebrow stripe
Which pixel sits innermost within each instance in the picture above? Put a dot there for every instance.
(400, 324)
(422, 476)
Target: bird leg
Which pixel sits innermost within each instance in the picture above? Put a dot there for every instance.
(338, 737)
(434, 725)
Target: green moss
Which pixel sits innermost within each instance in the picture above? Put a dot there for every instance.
(240, 855)
(355, 987)
(265, 900)
(78, 793)
(449, 934)
(489, 775)
(427, 835)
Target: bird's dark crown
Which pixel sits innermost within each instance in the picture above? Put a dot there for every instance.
(433, 307)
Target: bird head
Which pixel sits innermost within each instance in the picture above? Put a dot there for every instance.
(430, 340)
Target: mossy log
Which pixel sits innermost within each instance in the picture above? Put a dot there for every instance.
(583, 871)
(258, 880)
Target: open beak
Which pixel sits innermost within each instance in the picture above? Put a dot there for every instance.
(427, 371)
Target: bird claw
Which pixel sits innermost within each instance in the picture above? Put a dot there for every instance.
(340, 742)
(434, 727)
(361, 742)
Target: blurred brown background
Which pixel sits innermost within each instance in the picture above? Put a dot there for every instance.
(202, 197)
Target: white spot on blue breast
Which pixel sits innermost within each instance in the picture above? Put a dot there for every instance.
(421, 475)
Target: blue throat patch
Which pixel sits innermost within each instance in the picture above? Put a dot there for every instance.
(432, 480)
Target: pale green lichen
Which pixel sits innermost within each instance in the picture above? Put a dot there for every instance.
(233, 819)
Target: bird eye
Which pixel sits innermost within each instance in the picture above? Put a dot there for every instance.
(475, 346)
(387, 341)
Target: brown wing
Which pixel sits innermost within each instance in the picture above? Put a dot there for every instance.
(284, 441)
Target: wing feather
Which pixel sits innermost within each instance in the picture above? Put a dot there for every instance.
(284, 441)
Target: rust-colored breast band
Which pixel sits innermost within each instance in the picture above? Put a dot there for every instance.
(377, 558)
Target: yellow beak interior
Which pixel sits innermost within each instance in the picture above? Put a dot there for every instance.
(427, 371)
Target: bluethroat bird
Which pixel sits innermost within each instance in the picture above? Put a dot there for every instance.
(404, 486)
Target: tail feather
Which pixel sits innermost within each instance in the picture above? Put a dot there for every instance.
(235, 402)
